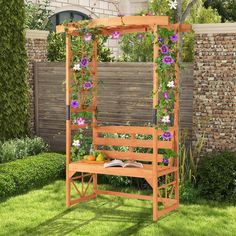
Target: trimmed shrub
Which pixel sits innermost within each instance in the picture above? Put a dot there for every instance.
(22, 175)
(14, 93)
(21, 148)
(217, 177)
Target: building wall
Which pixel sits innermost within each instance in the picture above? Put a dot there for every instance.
(214, 97)
(36, 46)
(100, 9)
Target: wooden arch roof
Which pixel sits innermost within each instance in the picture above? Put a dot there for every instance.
(126, 24)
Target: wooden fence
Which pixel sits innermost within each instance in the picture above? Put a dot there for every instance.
(124, 97)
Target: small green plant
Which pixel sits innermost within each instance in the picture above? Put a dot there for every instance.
(21, 148)
(189, 158)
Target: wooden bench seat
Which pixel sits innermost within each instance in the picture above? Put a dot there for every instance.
(145, 172)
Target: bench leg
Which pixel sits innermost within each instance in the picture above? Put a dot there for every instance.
(81, 190)
(68, 189)
(95, 183)
(155, 200)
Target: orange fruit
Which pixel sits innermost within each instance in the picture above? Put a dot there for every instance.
(91, 158)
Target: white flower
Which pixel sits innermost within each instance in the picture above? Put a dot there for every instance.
(166, 119)
(171, 84)
(76, 67)
(76, 143)
(173, 4)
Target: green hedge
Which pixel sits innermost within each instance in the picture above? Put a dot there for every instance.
(14, 93)
(22, 175)
(217, 177)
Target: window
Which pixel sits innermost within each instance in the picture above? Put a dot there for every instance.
(60, 17)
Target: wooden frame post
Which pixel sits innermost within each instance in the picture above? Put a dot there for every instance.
(94, 72)
(68, 117)
(155, 137)
(176, 122)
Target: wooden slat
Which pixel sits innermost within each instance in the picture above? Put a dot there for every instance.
(119, 21)
(124, 129)
(128, 195)
(145, 172)
(130, 156)
(123, 142)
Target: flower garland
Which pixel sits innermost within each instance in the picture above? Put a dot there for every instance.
(166, 62)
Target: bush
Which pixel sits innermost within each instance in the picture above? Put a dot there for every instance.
(22, 175)
(188, 193)
(14, 91)
(21, 148)
(217, 177)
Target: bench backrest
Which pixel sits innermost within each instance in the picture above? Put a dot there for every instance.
(128, 142)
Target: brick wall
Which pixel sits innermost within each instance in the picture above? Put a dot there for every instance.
(214, 97)
(36, 45)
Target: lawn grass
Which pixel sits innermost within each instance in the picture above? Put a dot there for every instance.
(43, 212)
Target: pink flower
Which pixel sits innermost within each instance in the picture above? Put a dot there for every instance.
(166, 95)
(115, 35)
(81, 121)
(149, 14)
(87, 37)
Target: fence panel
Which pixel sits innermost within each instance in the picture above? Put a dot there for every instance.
(124, 97)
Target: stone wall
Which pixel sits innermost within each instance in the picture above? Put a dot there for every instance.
(36, 46)
(214, 97)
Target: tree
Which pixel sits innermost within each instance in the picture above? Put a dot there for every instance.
(13, 70)
(194, 12)
(225, 8)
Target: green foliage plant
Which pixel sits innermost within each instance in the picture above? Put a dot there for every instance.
(21, 148)
(37, 15)
(14, 93)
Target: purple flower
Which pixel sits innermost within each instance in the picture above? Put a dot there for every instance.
(164, 49)
(174, 38)
(74, 103)
(87, 37)
(160, 40)
(140, 37)
(81, 121)
(166, 95)
(115, 35)
(167, 135)
(165, 161)
(87, 85)
(168, 60)
(149, 14)
(84, 62)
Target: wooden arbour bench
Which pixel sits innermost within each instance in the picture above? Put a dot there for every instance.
(165, 193)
